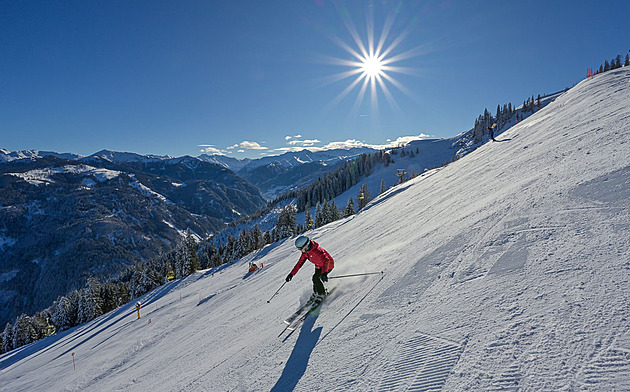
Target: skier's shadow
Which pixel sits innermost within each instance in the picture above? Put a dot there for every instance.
(298, 361)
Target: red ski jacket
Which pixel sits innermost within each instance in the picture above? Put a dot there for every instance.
(318, 256)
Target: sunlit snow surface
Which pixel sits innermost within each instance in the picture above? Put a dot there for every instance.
(506, 270)
(44, 176)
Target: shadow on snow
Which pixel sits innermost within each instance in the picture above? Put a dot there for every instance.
(298, 361)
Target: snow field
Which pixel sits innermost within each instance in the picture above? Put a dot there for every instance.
(508, 269)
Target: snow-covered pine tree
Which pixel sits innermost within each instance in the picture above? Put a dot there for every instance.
(212, 257)
(62, 313)
(227, 250)
(287, 221)
(140, 282)
(91, 303)
(190, 244)
(23, 331)
(242, 244)
(7, 344)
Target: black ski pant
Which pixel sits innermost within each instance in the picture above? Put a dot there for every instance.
(318, 285)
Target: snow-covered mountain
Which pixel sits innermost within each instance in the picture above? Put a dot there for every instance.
(8, 156)
(62, 220)
(273, 175)
(276, 175)
(122, 157)
(289, 159)
(505, 270)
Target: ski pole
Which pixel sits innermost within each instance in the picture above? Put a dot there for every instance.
(351, 275)
(277, 292)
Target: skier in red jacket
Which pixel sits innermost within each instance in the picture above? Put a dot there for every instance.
(317, 255)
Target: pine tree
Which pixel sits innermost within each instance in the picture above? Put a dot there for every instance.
(383, 187)
(618, 61)
(326, 213)
(215, 258)
(627, 62)
(7, 344)
(109, 295)
(243, 245)
(257, 238)
(91, 303)
(267, 236)
(192, 260)
(40, 325)
(287, 221)
(335, 215)
(319, 219)
(349, 208)
(23, 331)
(62, 314)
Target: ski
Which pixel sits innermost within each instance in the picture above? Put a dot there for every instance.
(298, 312)
(298, 319)
(301, 317)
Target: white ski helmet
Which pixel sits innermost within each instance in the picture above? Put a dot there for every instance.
(302, 241)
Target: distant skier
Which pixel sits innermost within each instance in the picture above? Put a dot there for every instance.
(317, 255)
(491, 132)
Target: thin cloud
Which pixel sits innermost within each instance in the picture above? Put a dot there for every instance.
(211, 149)
(251, 146)
(247, 145)
(353, 143)
(304, 143)
(310, 145)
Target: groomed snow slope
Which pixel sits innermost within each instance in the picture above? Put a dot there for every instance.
(506, 270)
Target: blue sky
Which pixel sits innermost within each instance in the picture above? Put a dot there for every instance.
(249, 78)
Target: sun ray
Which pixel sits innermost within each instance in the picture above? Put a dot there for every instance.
(374, 58)
(361, 95)
(355, 35)
(384, 33)
(328, 80)
(344, 93)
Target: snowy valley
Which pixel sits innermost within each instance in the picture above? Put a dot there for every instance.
(508, 269)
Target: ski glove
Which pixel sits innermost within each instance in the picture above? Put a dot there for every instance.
(289, 277)
(324, 277)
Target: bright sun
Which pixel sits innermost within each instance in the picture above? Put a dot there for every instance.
(372, 66)
(371, 63)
